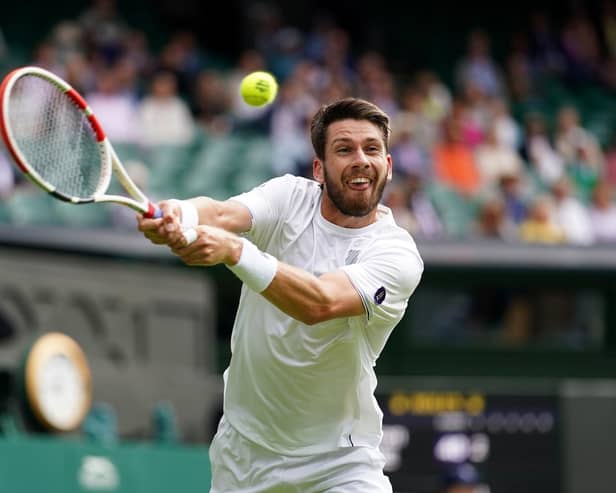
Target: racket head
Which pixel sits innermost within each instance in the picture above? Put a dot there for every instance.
(53, 136)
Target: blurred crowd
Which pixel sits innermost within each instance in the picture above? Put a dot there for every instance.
(520, 148)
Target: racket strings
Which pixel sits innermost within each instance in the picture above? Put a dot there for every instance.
(55, 137)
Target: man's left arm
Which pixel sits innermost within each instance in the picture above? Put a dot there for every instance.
(295, 291)
(311, 299)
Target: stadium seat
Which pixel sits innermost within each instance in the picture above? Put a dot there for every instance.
(252, 165)
(5, 216)
(31, 206)
(83, 215)
(166, 165)
(455, 211)
(210, 171)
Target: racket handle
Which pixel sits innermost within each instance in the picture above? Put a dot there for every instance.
(154, 212)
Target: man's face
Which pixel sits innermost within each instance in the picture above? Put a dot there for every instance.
(356, 167)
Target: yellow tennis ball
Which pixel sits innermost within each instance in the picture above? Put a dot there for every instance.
(259, 88)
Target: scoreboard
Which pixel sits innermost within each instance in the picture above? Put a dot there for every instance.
(511, 441)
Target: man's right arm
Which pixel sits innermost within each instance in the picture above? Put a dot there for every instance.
(229, 215)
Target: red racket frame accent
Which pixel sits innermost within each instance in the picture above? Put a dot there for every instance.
(81, 103)
(3, 129)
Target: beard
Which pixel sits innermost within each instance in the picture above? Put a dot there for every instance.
(352, 203)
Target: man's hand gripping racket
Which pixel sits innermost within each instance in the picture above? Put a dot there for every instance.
(58, 143)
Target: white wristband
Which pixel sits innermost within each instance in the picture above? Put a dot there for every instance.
(190, 235)
(188, 212)
(255, 268)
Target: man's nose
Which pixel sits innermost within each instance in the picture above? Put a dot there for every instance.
(361, 159)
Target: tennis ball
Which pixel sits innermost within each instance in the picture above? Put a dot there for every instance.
(259, 88)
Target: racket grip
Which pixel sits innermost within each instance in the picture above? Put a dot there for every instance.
(154, 212)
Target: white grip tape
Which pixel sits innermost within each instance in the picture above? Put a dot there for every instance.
(189, 215)
(255, 268)
(190, 235)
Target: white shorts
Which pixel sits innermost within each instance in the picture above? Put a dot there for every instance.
(241, 466)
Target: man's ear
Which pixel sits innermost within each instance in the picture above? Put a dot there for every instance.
(317, 170)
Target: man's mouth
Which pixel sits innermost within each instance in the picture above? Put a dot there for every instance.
(359, 183)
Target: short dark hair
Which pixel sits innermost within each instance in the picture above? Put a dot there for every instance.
(343, 109)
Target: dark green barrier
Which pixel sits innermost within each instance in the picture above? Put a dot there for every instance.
(33, 465)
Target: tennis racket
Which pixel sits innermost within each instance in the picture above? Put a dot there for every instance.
(57, 142)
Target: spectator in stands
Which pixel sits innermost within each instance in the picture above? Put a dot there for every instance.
(454, 162)
(80, 73)
(212, 103)
(571, 214)
(519, 70)
(409, 156)
(369, 65)
(515, 197)
(397, 199)
(115, 106)
(104, 29)
(382, 90)
(492, 221)
(478, 67)
(581, 47)
(427, 222)
(603, 213)
(316, 43)
(477, 109)
(136, 49)
(546, 163)
(495, 160)
(291, 147)
(437, 98)
(574, 143)
(547, 55)
(338, 60)
(539, 226)
(376, 81)
(45, 56)
(610, 160)
(413, 116)
(470, 120)
(183, 56)
(583, 174)
(164, 117)
(508, 132)
(67, 38)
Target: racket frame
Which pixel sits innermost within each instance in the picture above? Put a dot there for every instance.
(110, 163)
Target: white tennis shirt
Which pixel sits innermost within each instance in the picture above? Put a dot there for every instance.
(298, 389)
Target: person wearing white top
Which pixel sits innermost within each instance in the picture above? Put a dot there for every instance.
(164, 117)
(327, 276)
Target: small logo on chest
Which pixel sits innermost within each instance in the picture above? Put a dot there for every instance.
(351, 257)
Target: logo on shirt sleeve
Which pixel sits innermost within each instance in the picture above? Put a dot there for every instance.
(379, 295)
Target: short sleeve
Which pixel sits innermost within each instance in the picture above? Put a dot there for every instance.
(266, 204)
(385, 279)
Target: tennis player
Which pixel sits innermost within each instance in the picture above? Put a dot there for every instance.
(327, 275)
